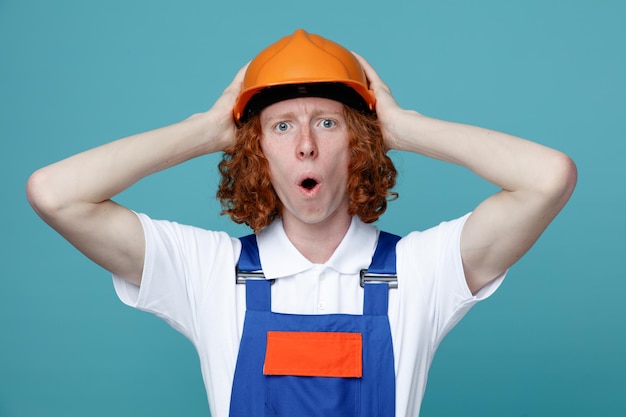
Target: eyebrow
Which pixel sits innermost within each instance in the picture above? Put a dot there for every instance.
(292, 115)
(280, 116)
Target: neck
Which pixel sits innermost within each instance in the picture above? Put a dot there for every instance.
(318, 241)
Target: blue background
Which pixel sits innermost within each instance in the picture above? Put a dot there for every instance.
(76, 74)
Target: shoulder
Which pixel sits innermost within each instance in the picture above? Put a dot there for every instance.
(433, 256)
(172, 236)
(446, 233)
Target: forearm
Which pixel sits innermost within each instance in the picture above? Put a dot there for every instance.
(99, 174)
(511, 163)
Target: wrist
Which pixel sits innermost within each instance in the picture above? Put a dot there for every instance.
(214, 132)
(402, 129)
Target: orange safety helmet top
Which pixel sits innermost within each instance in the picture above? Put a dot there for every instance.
(303, 64)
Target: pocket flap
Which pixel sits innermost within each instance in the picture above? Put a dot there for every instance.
(327, 354)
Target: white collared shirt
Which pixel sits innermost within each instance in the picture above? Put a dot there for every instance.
(303, 287)
(189, 281)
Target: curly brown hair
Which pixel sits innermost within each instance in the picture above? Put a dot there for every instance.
(246, 191)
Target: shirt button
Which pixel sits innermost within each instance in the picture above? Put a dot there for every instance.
(322, 276)
(321, 305)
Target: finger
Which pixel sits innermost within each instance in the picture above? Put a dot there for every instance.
(371, 74)
(241, 73)
(237, 82)
(369, 70)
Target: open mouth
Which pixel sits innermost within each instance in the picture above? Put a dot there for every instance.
(308, 184)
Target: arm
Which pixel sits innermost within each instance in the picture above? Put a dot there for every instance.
(74, 195)
(535, 181)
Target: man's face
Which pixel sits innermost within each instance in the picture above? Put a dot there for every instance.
(305, 141)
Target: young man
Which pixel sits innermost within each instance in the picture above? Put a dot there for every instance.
(304, 129)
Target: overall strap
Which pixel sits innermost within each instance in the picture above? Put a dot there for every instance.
(249, 272)
(249, 259)
(383, 265)
(380, 275)
(249, 264)
(384, 259)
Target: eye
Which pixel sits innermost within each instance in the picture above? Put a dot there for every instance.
(282, 126)
(328, 123)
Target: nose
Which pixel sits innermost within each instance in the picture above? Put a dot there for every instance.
(307, 146)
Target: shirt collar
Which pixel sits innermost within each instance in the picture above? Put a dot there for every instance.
(280, 258)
